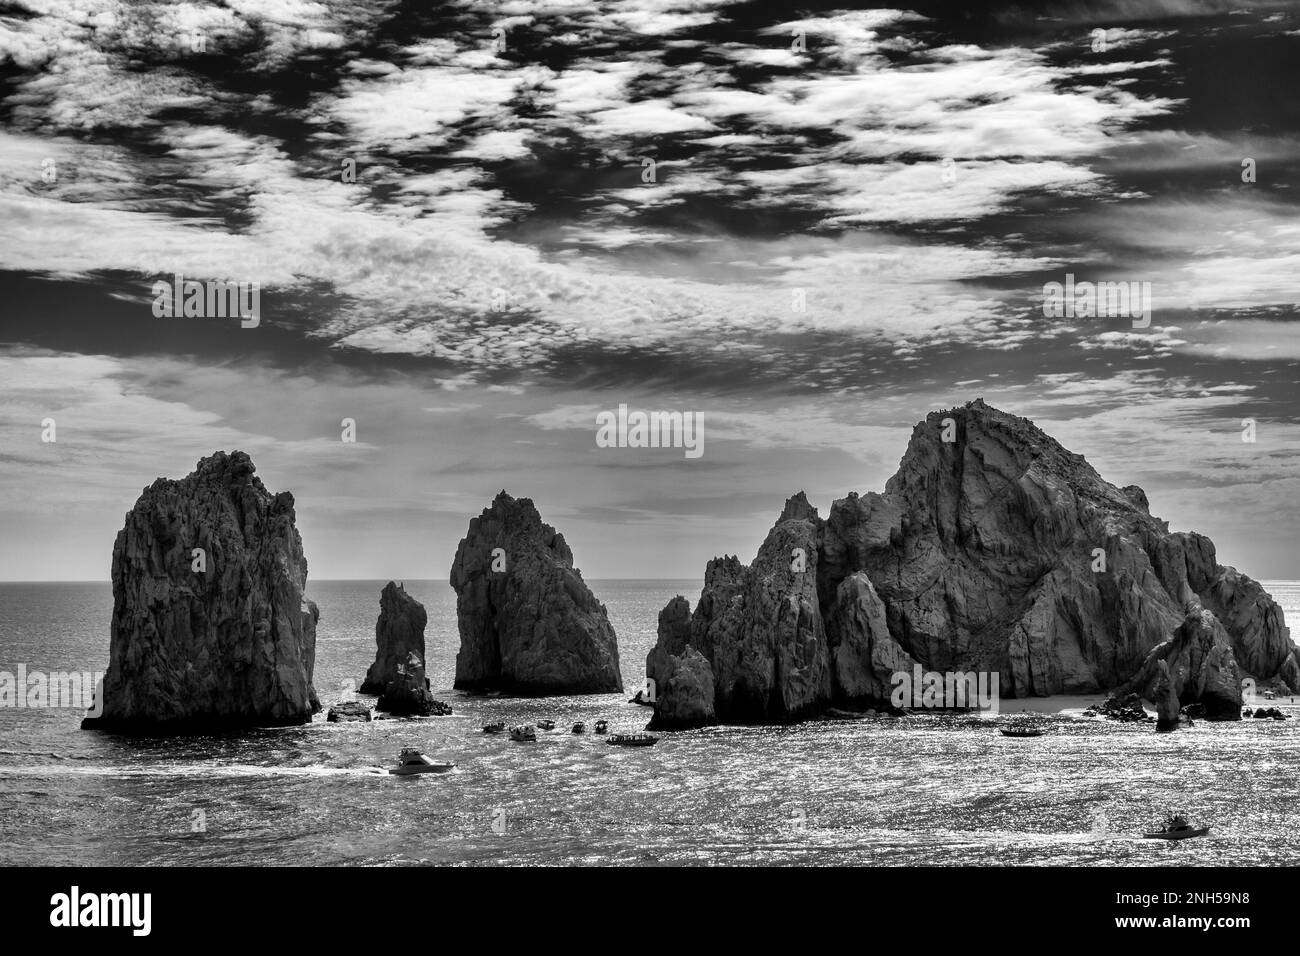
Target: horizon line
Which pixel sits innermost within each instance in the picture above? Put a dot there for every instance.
(327, 580)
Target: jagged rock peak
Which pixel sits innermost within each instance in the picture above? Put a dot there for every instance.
(210, 629)
(992, 548)
(399, 631)
(798, 508)
(528, 622)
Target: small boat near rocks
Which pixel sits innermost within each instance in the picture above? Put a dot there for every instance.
(524, 734)
(579, 728)
(602, 726)
(546, 725)
(1021, 732)
(495, 728)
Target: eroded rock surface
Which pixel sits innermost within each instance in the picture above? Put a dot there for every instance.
(398, 632)
(210, 629)
(529, 624)
(992, 548)
(685, 695)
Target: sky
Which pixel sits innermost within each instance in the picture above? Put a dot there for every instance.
(477, 225)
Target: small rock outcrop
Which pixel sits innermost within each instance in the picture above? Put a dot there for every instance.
(408, 694)
(992, 549)
(529, 625)
(1266, 713)
(210, 630)
(685, 695)
(399, 632)
(348, 711)
(1126, 709)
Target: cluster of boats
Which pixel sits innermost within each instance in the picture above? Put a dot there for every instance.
(527, 733)
(411, 761)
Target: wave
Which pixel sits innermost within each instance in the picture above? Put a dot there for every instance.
(42, 753)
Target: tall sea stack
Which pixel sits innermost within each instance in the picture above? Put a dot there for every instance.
(398, 632)
(210, 630)
(991, 549)
(529, 625)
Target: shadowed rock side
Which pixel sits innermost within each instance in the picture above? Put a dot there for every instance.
(991, 549)
(1198, 662)
(528, 623)
(1164, 692)
(398, 632)
(408, 693)
(231, 645)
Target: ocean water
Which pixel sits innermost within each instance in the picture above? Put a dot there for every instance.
(926, 790)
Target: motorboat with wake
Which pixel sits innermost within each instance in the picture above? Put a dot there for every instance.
(411, 761)
(1177, 827)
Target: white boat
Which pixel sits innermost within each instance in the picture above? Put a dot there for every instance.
(411, 761)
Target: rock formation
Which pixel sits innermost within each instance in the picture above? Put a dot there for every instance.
(1197, 662)
(1127, 709)
(674, 635)
(1165, 693)
(347, 712)
(685, 694)
(398, 632)
(993, 549)
(528, 623)
(210, 629)
(408, 694)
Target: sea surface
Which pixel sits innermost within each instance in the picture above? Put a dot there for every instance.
(923, 790)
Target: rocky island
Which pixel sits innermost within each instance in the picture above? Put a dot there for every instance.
(529, 625)
(210, 630)
(398, 673)
(992, 548)
(399, 631)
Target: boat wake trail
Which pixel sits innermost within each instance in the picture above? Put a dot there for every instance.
(191, 770)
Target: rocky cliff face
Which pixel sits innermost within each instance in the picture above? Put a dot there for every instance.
(991, 549)
(398, 632)
(674, 636)
(209, 628)
(528, 623)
